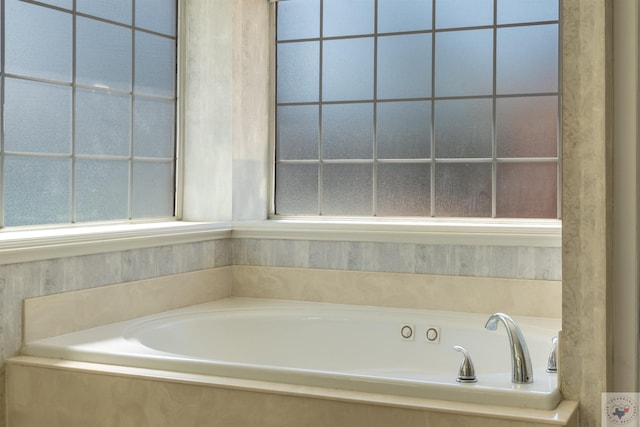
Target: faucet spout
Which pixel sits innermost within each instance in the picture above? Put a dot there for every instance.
(521, 370)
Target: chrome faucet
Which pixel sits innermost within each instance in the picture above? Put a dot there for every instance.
(521, 371)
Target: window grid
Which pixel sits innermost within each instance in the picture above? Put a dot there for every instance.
(134, 95)
(433, 160)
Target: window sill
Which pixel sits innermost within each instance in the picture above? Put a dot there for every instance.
(534, 233)
(23, 245)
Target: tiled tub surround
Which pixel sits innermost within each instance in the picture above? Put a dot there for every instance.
(74, 393)
(77, 392)
(338, 346)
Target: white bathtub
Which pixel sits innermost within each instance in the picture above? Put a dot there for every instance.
(326, 345)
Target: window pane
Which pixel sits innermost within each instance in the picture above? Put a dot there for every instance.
(527, 59)
(297, 189)
(463, 13)
(347, 131)
(404, 66)
(347, 69)
(114, 10)
(37, 117)
(153, 189)
(527, 127)
(527, 190)
(38, 41)
(157, 15)
(404, 190)
(298, 19)
(343, 18)
(463, 128)
(153, 128)
(103, 123)
(404, 130)
(515, 11)
(37, 190)
(404, 15)
(298, 72)
(463, 190)
(103, 56)
(155, 65)
(102, 189)
(298, 132)
(464, 63)
(347, 189)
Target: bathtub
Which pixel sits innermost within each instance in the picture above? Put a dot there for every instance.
(403, 352)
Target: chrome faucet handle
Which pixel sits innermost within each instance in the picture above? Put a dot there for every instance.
(467, 373)
(552, 363)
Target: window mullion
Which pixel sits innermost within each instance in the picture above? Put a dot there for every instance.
(494, 139)
(74, 34)
(432, 119)
(320, 111)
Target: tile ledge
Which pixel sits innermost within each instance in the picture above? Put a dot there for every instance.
(455, 231)
(33, 244)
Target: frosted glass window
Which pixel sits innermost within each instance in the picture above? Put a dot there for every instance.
(153, 127)
(298, 186)
(298, 132)
(37, 117)
(463, 128)
(159, 177)
(516, 11)
(404, 15)
(347, 189)
(347, 69)
(404, 190)
(527, 59)
(113, 10)
(298, 19)
(404, 130)
(347, 131)
(37, 190)
(404, 66)
(298, 72)
(463, 189)
(464, 63)
(66, 4)
(103, 123)
(157, 15)
(103, 54)
(155, 65)
(527, 127)
(527, 190)
(343, 18)
(38, 41)
(102, 189)
(463, 13)
(411, 107)
(89, 111)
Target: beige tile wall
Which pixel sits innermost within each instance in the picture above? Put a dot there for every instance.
(456, 293)
(58, 314)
